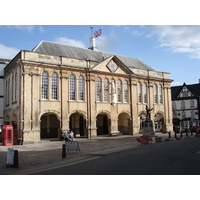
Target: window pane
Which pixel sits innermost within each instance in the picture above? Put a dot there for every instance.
(55, 86)
(139, 92)
(44, 85)
(98, 88)
(160, 94)
(81, 88)
(155, 94)
(145, 92)
(119, 89)
(106, 90)
(72, 87)
(126, 91)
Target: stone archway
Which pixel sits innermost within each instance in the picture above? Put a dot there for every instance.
(124, 124)
(142, 118)
(103, 124)
(7, 120)
(159, 123)
(78, 125)
(15, 128)
(49, 126)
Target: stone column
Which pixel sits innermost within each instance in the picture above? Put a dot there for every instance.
(134, 106)
(64, 98)
(91, 105)
(27, 95)
(35, 97)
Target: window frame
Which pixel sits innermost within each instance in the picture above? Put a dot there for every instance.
(106, 90)
(81, 88)
(54, 86)
(98, 89)
(126, 96)
(119, 91)
(145, 93)
(72, 87)
(45, 85)
(139, 88)
(155, 89)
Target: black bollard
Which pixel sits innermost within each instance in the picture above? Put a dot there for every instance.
(63, 151)
(169, 134)
(15, 163)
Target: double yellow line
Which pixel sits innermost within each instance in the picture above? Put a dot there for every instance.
(59, 166)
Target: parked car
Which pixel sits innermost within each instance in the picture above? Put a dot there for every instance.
(198, 130)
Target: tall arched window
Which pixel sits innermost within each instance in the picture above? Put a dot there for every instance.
(139, 92)
(99, 89)
(15, 86)
(54, 92)
(106, 90)
(45, 85)
(72, 87)
(145, 93)
(81, 88)
(119, 90)
(155, 93)
(126, 91)
(160, 94)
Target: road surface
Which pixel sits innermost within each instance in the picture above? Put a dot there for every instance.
(180, 157)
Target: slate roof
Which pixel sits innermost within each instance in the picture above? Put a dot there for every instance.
(52, 48)
(193, 88)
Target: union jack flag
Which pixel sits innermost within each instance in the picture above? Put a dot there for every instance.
(98, 33)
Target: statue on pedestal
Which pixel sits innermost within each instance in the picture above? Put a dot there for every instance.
(148, 115)
(147, 125)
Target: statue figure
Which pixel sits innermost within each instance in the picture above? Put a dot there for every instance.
(113, 87)
(148, 116)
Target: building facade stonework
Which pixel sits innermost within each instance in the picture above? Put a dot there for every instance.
(56, 88)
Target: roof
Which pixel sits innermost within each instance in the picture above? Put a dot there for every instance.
(193, 88)
(52, 48)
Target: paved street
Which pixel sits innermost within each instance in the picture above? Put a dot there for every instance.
(180, 157)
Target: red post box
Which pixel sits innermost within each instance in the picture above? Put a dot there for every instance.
(7, 135)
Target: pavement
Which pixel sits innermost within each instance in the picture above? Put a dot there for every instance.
(49, 152)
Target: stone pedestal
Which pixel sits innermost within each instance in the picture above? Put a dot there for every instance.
(147, 129)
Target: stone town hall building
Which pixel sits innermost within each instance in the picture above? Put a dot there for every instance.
(56, 88)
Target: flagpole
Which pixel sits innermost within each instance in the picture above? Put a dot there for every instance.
(102, 43)
(92, 33)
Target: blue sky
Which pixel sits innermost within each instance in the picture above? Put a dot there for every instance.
(173, 49)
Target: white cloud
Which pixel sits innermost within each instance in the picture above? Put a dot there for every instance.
(176, 83)
(41, 29)
(70, 42)
(8, 52)
(133, 31)
(28, 28)
(106, 43)
(177, 38)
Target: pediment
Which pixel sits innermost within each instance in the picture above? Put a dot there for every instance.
(185, 92)
(112, 65)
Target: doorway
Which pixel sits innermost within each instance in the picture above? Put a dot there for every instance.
(49, 126)
(102, 124)
(77, 125)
